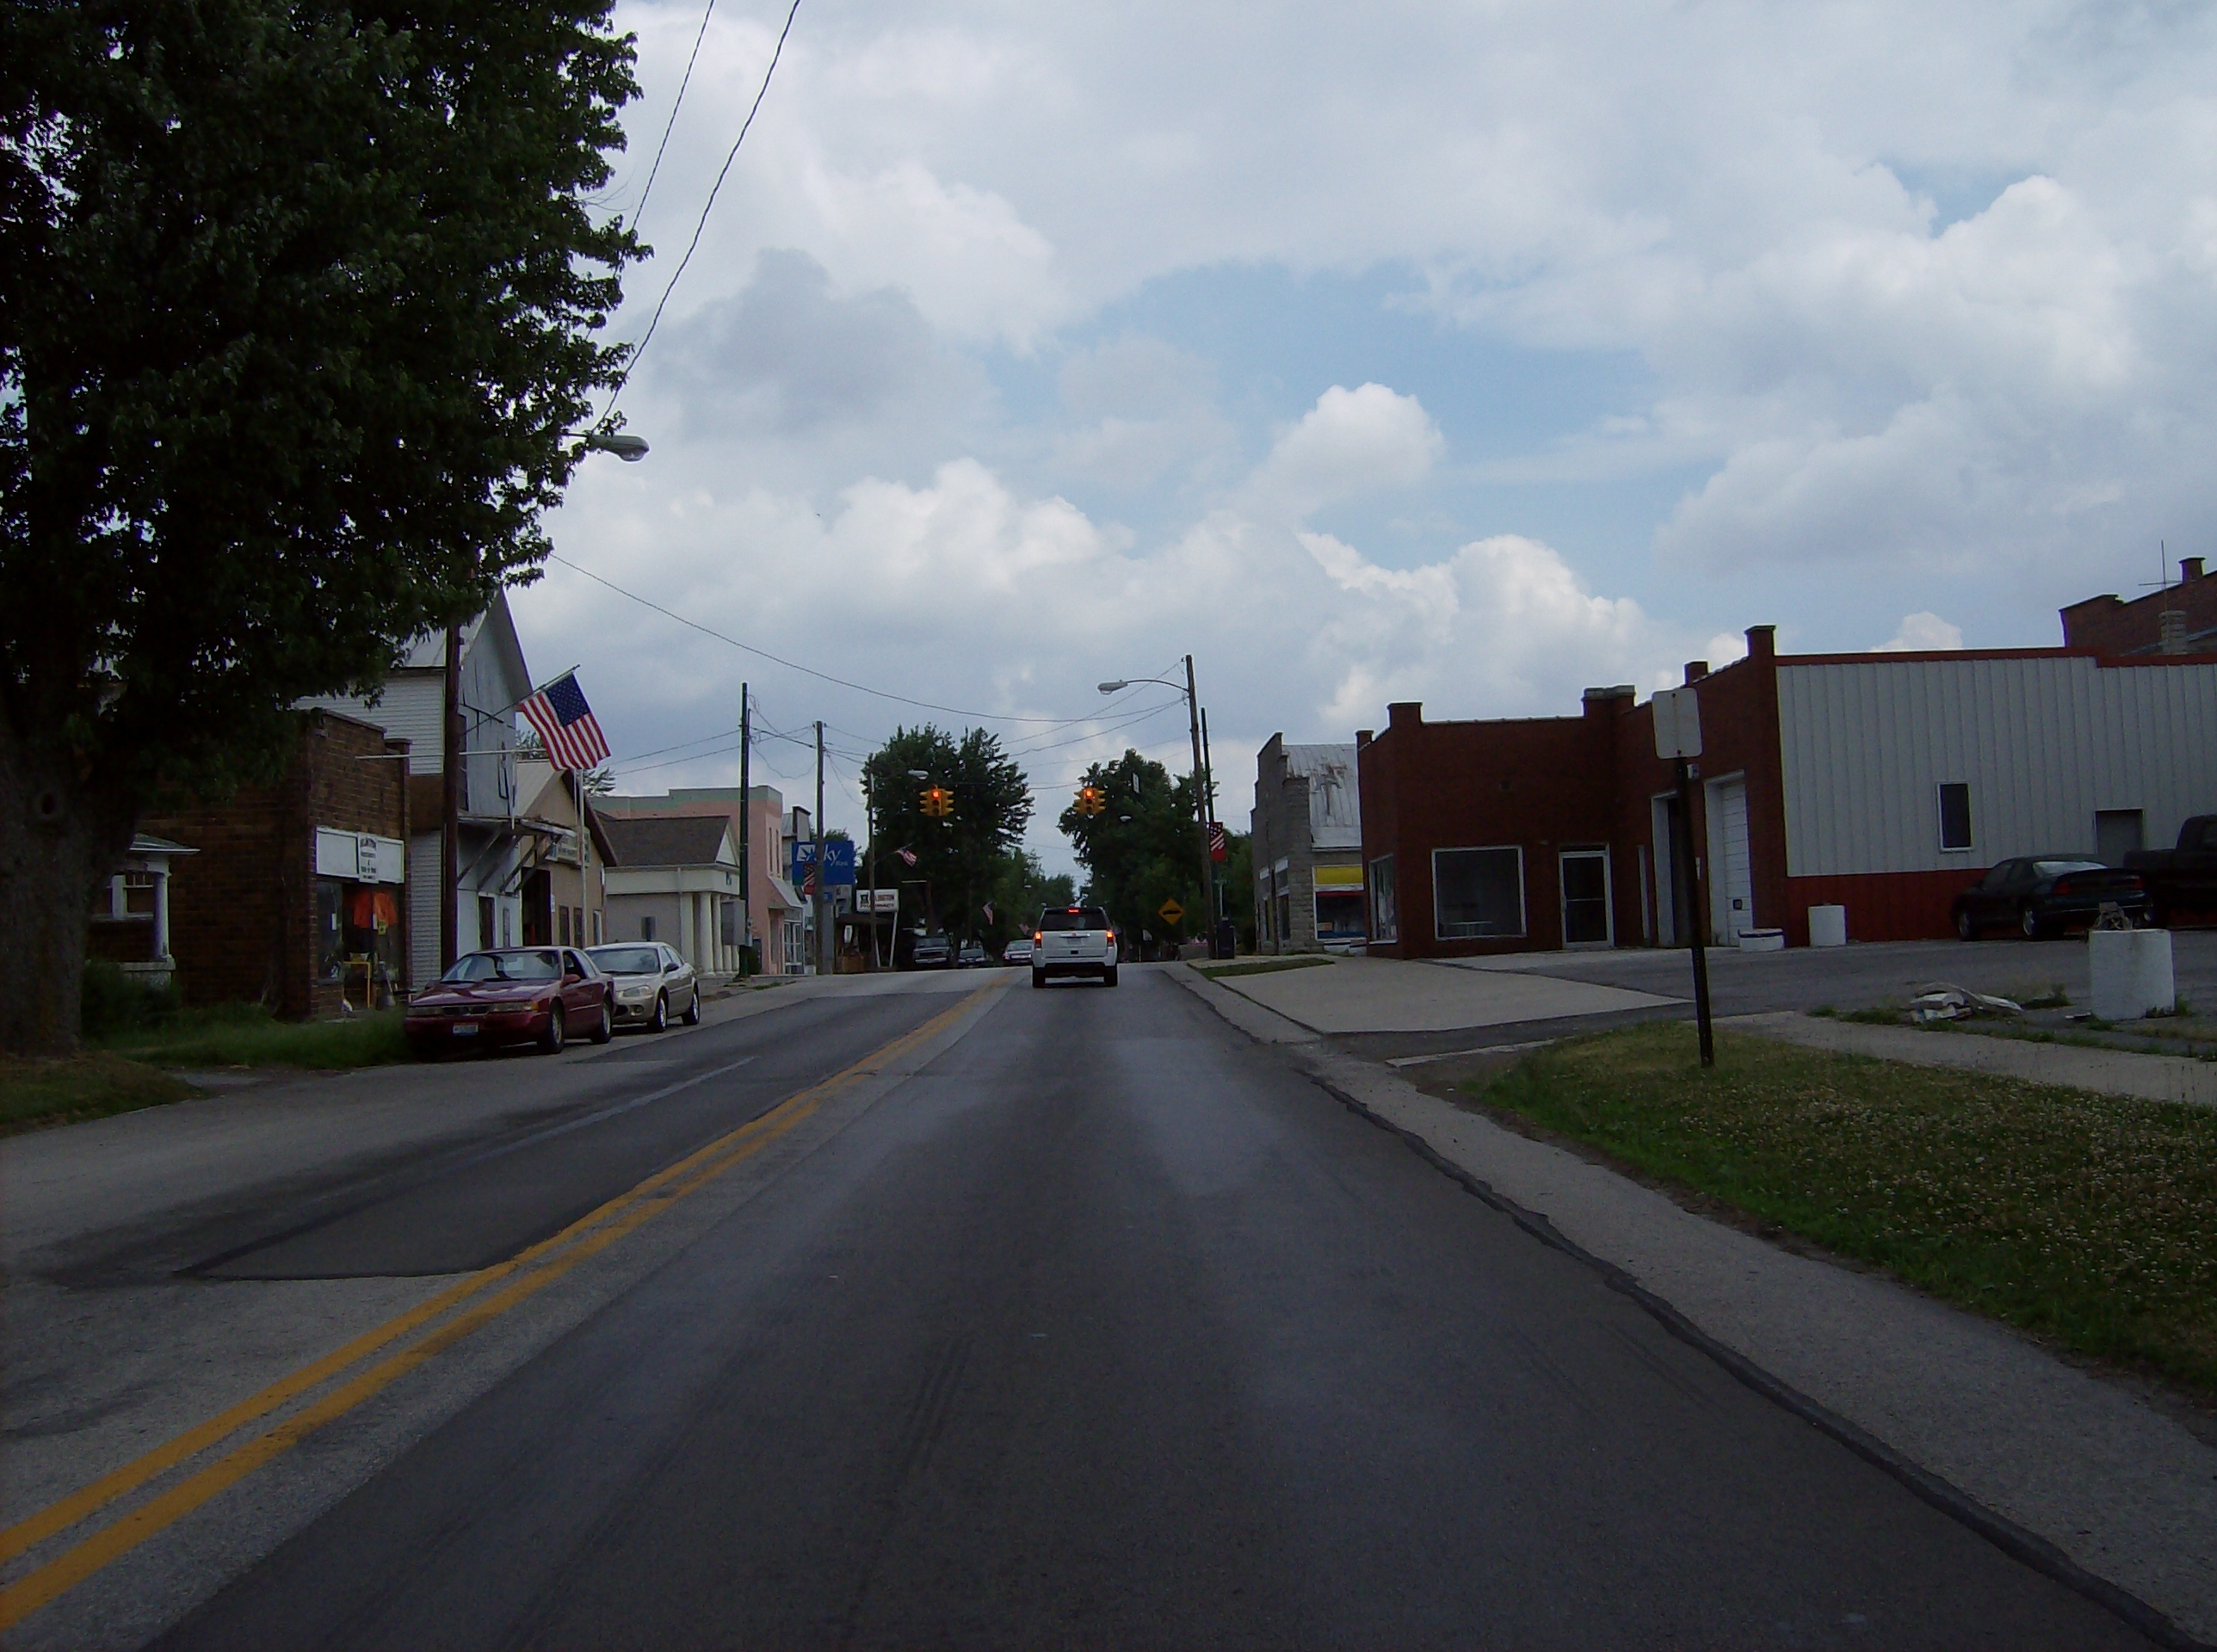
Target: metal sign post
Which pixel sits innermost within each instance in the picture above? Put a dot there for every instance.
(1678, 737)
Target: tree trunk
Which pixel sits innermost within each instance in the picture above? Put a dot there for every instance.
(62, 835)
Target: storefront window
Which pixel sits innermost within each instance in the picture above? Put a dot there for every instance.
(1478, 894)
(357, 935)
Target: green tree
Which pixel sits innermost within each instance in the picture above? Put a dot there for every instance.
(1139, 851)
(959, 859)
(296, 306)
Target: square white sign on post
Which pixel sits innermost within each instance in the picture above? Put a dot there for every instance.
(1677, 724)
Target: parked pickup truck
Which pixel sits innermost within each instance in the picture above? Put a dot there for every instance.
(2183, 879)
(1074, 940)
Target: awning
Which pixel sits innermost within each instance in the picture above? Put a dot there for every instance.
(1339, 880)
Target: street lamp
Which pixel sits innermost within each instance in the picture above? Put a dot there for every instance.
(1200, 796)
(629, 448)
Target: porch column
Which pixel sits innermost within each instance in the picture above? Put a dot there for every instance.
(684, 925)
(162, 913)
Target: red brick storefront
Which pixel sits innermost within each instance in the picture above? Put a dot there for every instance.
(276, 903)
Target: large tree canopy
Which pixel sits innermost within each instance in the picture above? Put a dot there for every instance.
(961, 861)
(296, 304)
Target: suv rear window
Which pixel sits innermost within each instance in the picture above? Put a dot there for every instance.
(1074, 917)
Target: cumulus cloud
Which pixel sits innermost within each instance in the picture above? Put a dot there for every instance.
(1922, 633)
(1351, 442)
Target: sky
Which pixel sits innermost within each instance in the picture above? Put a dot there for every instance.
(1467, 353)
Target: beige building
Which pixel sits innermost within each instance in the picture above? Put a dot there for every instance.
(676, 880)
(564, 881)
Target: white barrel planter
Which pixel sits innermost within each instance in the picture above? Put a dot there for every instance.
(1763, 941)
(2132, 973)
(1828, 926)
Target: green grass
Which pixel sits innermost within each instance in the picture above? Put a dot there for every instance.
(246, 1035)
(2088, 1219)
(1263, 966)
(93, 1085)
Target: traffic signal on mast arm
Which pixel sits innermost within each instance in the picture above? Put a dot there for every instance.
(1090, 800)
(938, 802)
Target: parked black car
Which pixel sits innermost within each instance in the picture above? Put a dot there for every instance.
(2043, 895)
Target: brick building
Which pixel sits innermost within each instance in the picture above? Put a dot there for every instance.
(1307, 827)
(297, 894)
(2179, 619)
(1880, 783)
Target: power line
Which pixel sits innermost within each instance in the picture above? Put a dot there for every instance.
(761, 92)
(808, 671)
(639, 211)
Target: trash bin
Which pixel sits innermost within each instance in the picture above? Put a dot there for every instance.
(1828, 926)
(1225, 942)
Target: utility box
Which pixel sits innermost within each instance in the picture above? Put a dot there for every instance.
(1828, 926)
(2132, 973)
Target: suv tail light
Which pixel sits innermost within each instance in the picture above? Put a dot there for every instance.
(2063, 886)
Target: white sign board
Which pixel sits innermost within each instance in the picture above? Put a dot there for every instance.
(1677, 724)
(359, 857)
(886, 900)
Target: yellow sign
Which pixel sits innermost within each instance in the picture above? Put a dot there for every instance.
(1170, 912)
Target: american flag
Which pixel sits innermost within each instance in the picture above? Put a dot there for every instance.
(1219, 846)
(908, 855)
(566, 724)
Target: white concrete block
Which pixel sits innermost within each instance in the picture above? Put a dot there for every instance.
(1828, 926)
(2132, 973)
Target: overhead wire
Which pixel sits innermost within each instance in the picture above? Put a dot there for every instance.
(1045, 722)
(761, 92)
(639, 211)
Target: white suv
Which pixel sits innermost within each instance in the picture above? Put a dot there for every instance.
(1073, 940)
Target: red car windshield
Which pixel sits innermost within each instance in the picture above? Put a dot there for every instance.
(533, 965)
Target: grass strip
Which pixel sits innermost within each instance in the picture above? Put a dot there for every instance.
(246, 1035)
(93, 1085)
(2088, 1219)
(1265, 966)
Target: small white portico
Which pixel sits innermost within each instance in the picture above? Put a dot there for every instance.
(677, 880)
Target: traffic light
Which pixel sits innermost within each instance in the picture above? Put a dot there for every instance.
(1090, 800)
(937, 802)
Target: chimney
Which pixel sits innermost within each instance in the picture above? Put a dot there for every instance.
(2173, 634)
(1598, 702)
(1363, 737)
(1697, 670)
(1406, 713)
(1762, 641)
(2189, 570)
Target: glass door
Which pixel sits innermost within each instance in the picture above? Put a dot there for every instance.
(1585, 898)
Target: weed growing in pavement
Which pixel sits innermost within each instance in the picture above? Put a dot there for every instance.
(1876, 1015)
(2091, 1219)
(1825, 1012)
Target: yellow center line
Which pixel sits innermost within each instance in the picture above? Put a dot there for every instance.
(72, 1566)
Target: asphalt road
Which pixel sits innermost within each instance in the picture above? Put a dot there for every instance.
(1101, 1328)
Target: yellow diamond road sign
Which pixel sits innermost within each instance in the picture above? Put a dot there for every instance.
(1170, 911)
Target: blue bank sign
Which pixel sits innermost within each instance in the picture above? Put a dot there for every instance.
(838, 862)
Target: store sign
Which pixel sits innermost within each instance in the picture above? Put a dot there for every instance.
(360, 857)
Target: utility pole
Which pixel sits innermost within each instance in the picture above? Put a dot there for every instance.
(870, 831)
(450, 808)
(746, 820)
(823, 884)
(1199, 798)
(1209, 792)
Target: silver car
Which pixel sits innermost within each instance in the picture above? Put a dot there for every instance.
(652, 983)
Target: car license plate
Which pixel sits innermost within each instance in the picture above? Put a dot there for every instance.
(466, 1029)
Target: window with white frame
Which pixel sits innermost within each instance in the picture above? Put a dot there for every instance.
(1478, 894)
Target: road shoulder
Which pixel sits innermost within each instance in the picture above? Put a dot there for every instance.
(2079, 1466)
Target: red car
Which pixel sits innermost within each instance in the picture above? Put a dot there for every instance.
(513, 995)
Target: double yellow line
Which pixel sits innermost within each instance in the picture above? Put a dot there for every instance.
(528, 1272)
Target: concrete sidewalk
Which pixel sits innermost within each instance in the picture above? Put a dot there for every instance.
(1387, 995)
(2110, 1072)
(2089, 1477)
